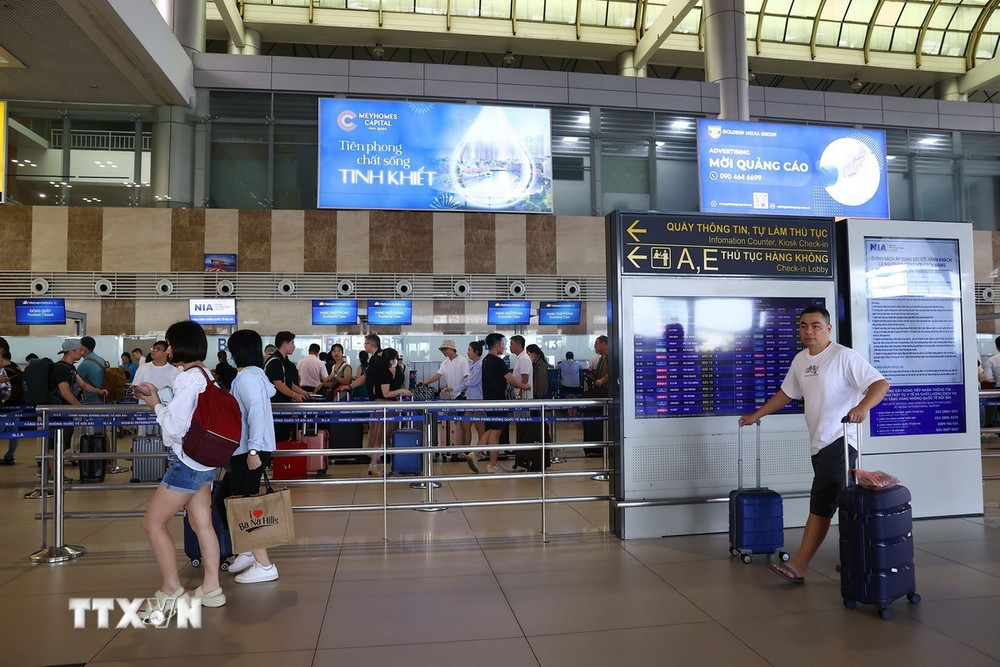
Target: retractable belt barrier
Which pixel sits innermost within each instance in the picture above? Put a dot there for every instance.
(51, 419)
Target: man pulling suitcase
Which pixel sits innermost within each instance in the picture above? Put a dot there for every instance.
(834, 381)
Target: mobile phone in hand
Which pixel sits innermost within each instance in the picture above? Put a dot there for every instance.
(139, 390)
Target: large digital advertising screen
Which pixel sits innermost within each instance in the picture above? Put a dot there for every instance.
(712, 356)
(212, 311)
(509, 313)
(916, 281)
(385, 312)
(423, 156)
(334, 312)
(39, 311)
(564, 313)
(775, 169)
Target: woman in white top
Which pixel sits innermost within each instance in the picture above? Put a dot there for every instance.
(186, 483)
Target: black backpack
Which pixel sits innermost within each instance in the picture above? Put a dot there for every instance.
(35, 378)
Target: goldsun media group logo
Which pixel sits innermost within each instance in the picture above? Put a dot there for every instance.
(714, 131)
(345, 120)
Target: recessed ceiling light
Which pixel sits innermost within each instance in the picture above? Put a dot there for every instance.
(927, 141)
(680, 124)
(41, 195)
(571, 140)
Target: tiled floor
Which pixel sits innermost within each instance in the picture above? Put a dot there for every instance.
(477, 586)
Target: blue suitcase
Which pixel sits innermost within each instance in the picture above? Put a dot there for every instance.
(876, 544)
(756, 516)
(191, 547)
(407, 464)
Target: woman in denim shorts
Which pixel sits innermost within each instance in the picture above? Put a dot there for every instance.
(187, 483)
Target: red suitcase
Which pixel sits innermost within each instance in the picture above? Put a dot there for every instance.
(290, 467)
(317, 438)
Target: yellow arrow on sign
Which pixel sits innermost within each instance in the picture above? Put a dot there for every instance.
(632, 257)
(632, 231)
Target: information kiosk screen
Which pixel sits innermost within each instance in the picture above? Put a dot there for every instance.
(713, 356)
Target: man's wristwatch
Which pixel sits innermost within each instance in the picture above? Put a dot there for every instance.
(253, 452)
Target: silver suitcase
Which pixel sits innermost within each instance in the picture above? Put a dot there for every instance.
(148, 469)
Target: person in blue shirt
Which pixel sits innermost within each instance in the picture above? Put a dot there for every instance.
(472, 387)
(91, 369)
(129, 366)
(253, 391)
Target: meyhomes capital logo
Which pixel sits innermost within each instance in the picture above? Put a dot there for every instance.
(185, 611)
(345, 120)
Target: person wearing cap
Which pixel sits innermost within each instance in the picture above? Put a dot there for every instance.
(92, 372)
(454, 368)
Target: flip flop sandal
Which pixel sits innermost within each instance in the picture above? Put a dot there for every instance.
(786, 573)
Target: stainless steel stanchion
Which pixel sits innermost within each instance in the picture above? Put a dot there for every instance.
(603, 476)
(555, 438)
(113, 467)
(58, 552)
(385, 476)
(545, 525)
(429, 426)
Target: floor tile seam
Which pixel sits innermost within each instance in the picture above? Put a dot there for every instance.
(422, 642)
(958, 562)
(682, 595)
(949, 636)
(510, 606)
(628, 627)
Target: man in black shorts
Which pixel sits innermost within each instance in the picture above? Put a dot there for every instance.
(496, 378)
(834, 381)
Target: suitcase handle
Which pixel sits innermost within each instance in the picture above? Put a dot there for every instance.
(847, 449)
(739, 449)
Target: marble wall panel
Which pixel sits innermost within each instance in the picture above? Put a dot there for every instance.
(982, 257)
(401, 242)
(449, 317)
(136, 239)
(254, 240)
(85, 235)
(579, 246)
(511, 242)
(222, 231)
(49, 238)
(540, 249)
(449, 243)
(187, 239)
(288, 235)
(320, 242)
(15, 235)
(156, 315)
(352, 242)
(7, 321)
(480, 243)
(117, 317)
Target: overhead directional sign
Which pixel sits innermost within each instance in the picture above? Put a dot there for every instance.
(686, 245)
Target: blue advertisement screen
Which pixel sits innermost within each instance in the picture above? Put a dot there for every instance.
(509, 312)
(774, 169)
(559, 312)
(40, 311)
(335, 311)
(418, 155)
(390, 312)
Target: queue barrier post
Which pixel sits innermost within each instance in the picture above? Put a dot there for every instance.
(59, 551)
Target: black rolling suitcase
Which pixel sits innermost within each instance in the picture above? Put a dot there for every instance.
(531, 460)
(756, 516)
(92, 470)
(344, 435)
(593, 431)
(191, 547)
(876, 543)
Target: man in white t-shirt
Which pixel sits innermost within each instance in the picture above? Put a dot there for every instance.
(834, 381)
(453, 369)
(311, 370)
(523, 369)
(160, 373)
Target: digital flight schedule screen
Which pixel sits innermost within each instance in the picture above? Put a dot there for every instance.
(713, 356)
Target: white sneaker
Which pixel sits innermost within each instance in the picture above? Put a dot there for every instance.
(258, 573)
(494, 469)
(243, 562)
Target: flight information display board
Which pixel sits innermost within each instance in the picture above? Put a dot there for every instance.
(713, 356)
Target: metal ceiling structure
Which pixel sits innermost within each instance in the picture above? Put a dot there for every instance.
(911, 43)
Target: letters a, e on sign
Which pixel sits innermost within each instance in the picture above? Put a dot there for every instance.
(423, 156)
(777, 169)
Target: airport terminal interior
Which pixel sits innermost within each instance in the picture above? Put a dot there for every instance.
(255, 161)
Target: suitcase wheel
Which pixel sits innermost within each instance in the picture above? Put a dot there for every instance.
(746, 558)
(195, 562)
(914, 598)
(733, 550)
(885, 613)
(783, 555)
(850, 604)
(224, 566)
(321, 472)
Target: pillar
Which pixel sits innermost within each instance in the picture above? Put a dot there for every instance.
(172, 158)
(626, 65)
(948, 90)
(251, 41)
(726, 56)
(186, 19)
